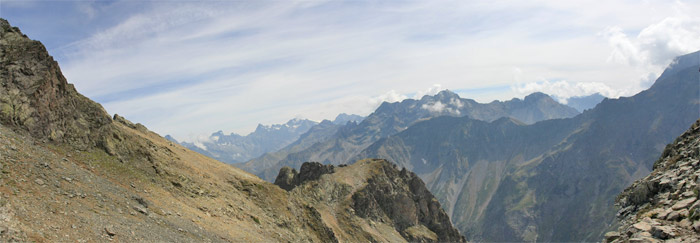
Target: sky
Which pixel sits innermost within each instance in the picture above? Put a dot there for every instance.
(189, 68)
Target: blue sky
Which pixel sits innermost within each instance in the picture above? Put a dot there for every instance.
(189, 68)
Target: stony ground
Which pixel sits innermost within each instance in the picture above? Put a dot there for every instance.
(55, 193)
(52, 192)
(664, 206)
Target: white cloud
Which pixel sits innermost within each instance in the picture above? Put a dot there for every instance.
(456, 103)
(433, 90)
(655, 46)
(436, 107)
(563, 89)
(391, 96)
(394, 96)
(439, 107)
(645, 55)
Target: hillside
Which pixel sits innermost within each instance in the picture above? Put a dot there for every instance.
(554, 180)
(391, 118)
(70, 172)
(664, 205)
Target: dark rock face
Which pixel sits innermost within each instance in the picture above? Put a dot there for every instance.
(288, 178)
(36, 98)
(402, 197)
(664, 205)
(39, 98)
(285, 179)
(312, 171)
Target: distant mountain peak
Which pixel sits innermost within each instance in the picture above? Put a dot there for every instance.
(682, 62)
(444, 96)
(344, 118)
(537, 96)
(235, 148)
(582, 103)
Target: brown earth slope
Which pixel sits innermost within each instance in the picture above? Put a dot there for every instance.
(70, 172)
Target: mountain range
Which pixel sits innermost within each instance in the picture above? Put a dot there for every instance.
(553, 180)
(234, 148)
(527, 169)
(72, 172)
(390, 118)
(507, 175)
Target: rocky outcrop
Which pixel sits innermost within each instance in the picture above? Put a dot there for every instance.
(402, 197)
(390, 200)
(664, 205)
(288, 178)
(38, 99)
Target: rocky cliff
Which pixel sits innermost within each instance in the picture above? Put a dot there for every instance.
(664, 205)
(377, 192)
(37, 98)
(70, 172)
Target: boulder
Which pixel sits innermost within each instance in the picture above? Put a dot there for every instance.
(663, 232)
(683, 203)
(642, 226)
(288, 178)
(285, 179)
(611, 236)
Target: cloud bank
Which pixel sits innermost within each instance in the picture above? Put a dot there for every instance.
(190, 68)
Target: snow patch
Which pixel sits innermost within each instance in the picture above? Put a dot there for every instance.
(200, 145)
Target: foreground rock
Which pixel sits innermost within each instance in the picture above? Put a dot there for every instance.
(664, 205)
